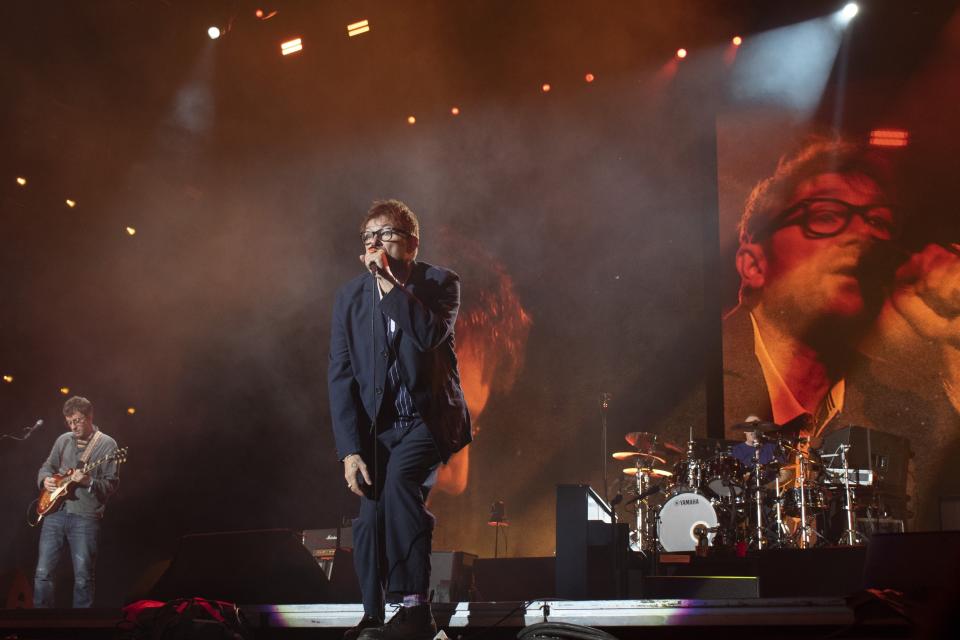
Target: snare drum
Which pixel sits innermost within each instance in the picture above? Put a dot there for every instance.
(679, 518)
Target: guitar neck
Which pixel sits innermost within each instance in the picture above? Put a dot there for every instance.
(90, 466)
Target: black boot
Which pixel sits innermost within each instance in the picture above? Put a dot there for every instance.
(366, 622)
(409, 623)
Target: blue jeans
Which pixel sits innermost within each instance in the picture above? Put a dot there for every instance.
(81, 534)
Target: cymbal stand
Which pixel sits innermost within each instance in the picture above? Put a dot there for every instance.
(778, 510)
(758, 536)
(693, 464)
(643, 482)
(804, 540)
(851, 536)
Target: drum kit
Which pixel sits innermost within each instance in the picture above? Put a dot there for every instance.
(770, 491)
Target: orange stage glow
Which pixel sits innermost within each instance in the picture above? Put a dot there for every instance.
(131, 410)
(411, 120)
(357, 28)
(889, 138)
(492, 330)
(8, 378)
(737, 41)
(71, 203)
(64, 390)
(455, 111)
(589, 77)
(545, 87)
(681, 53)
(131, 231)
(22, 181)
(291, 46)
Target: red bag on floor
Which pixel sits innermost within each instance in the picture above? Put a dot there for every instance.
(193, 618)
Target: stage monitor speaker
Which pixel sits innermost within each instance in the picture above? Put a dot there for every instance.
(451, 576)
(268, 566)
(919, 564)
(827, 572)
(505, 579)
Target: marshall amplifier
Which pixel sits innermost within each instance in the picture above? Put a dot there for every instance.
(323, 544)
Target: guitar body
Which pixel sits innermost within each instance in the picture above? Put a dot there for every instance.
(51, 500)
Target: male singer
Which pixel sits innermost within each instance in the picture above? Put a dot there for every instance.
(398, 412)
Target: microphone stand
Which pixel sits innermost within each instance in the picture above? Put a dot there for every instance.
(374, 290)
(604, 405)
(26, 432)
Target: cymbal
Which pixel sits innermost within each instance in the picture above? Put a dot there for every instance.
(670, 446)
(756, 425)
(626, 455)
(650, 471)
(641, 439)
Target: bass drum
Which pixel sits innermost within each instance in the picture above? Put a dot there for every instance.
(679, 518)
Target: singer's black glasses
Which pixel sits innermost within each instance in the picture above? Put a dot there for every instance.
(828, 217)
(386, 234)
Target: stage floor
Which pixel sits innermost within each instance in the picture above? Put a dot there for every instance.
(744, 618)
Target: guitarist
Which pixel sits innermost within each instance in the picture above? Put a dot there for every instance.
(77, 522)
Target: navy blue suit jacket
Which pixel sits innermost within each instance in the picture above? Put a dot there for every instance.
(425, 311)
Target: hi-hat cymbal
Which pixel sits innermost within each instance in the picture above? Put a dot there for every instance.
(626, 455)
(650, 471)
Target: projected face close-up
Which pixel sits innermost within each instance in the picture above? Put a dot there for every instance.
(816, 261)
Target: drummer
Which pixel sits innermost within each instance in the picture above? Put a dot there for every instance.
(745, 451)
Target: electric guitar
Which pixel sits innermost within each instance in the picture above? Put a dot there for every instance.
(51, 500)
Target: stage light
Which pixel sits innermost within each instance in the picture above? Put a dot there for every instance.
(22, 181)
(8, 378)
(737, 41)
(589, 77)
(889, 138)
(788, 67)
(849, 11)
(357, 28)
(71, 203)
(263, 15)
(213, 32)
(64, 390)
(411, 120)
(545, 87)
(455, 111)
(681, 53)
(131, 231)
(131, 410)
(291, 46)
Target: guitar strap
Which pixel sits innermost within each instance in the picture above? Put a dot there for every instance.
(89, 450)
